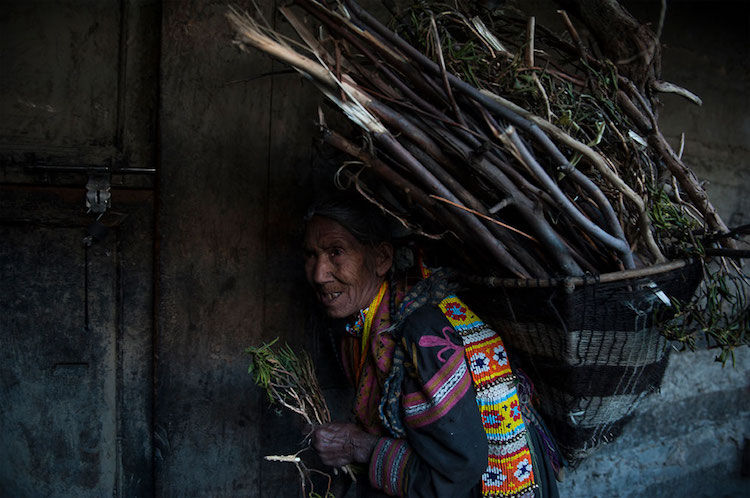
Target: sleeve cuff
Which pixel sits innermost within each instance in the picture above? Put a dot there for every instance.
(388, 465)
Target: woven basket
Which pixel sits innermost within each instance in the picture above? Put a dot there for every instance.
(591, 349)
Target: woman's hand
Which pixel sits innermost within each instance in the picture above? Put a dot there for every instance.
(342, 443)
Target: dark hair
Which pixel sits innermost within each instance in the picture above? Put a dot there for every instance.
(363, 220)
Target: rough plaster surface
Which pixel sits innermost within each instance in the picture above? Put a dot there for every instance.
(717, 134)
(686, 440)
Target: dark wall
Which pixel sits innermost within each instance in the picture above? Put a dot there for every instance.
(122, 376)
(234, 175)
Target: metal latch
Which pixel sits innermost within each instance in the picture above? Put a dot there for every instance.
(98, 196)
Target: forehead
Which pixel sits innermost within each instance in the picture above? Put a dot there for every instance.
(324, 232)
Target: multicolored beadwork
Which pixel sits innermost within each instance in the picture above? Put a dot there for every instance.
(509, 471)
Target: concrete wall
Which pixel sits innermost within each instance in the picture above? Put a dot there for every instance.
(685, 441)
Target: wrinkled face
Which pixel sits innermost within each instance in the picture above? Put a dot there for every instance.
(344, 273)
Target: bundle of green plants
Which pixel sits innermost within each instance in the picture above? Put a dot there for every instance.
(289, 380)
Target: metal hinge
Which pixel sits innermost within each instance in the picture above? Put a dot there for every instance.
(98, 195)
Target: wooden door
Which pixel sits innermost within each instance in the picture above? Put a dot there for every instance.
(75, 361)
(77, 103)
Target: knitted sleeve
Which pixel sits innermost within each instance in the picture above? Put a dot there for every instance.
(445, 449)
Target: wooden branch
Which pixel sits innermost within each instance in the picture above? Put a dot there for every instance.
(433, 157)
(444, 74)
(685, 177)
(582, 53)
(522, 253)
(252, 34)
(488, 218)
(356, 111)
(412, 192)
(625, 41)
(667, 87)
(643, 123)
(577, 282)
(524, 155)
(728, 253)
(495, 248)
(688, 183)
(602, 167)
(528, 126)
(530, 31)
(400, 74)
(556, 249)
(347, 29)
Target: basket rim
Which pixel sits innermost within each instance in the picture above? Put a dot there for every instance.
(572, 282)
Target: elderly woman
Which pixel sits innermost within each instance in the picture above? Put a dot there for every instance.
(421, 429)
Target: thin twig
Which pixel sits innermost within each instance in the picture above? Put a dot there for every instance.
(488, 218)
(530, 63)
(446, 83)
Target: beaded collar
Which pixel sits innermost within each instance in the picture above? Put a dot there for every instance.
(355, 329)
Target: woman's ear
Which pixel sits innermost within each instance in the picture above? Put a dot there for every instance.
(383, 258)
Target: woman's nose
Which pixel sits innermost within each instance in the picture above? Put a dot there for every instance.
(322, 271)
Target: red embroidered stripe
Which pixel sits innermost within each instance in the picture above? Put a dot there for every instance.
(388, 466)
(440, 394)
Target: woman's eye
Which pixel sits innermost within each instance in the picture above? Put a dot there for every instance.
(336, 252)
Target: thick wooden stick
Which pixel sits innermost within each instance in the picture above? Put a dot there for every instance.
(352, 33)
(430, 154)
(523, 253)
(411, 191)
(575, 282)
(498, 251)
(528, 209)
(602, 167)
(646, 123)
(547, 235)
(516, 198)
(619, 245)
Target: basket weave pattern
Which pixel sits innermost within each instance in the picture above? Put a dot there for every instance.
(592, 353)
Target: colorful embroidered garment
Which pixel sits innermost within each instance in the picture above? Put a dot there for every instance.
(509, 470)
(443, 449)
(366, 368)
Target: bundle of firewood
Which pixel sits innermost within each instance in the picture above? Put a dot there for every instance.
(459, 158)
(513, 145)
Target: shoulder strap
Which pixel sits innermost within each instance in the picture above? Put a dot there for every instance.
(509, 468)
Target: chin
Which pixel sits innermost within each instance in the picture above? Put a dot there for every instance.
(339, 314)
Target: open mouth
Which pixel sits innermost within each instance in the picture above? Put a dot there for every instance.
(327, 298)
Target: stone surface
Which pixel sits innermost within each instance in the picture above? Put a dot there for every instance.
(686, 440)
